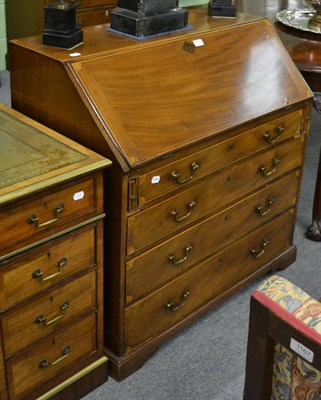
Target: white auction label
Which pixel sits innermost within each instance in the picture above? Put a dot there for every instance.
(198, 42)
(303, 351)
(155, 179)
(79, 195)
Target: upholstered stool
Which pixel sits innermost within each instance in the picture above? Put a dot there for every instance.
(284, 343)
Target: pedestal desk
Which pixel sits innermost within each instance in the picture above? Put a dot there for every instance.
(206, 129)
(51, 256)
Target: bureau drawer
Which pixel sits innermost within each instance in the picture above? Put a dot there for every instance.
(162, 309)
(36, 270)
(47, 314)
(191, 168)
(40, 364)
(47, 214)
(154, 267)
(149, 225)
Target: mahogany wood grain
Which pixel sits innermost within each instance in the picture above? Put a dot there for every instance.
(27, 365)
(304, 49)
(141, 279)
(163, 220)
(215, 157)
(260, 355)
(16, 282)
(203, 283)
(80, 296)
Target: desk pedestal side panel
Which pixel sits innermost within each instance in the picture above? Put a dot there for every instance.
(207, 132)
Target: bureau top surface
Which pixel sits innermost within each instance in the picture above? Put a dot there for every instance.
(157, 96)
(33, 157)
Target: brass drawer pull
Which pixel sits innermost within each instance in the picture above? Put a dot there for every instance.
(65, 353)
(257, 253)
(260, 210)
(38, 274)
(176, 176)
(33, 219)
(172, 259)
(41, 320)
(190, 207)
(272, 140)
(169, 305)
(264, 170)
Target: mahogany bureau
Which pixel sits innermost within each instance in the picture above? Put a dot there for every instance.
(51, 255)
(207, 130)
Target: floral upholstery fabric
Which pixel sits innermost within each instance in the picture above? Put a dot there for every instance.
(293, 377)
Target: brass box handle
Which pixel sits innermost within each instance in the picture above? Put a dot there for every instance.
(274, 139)
(65, 353)
(169, 305)
(177, 177)
(173, 260)
(265, 172)
(257, 253)
(260, 210)
(41, 320)
(34, 219)
(38, 274)
(175, 213)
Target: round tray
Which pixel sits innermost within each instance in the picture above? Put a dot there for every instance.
(297, 19)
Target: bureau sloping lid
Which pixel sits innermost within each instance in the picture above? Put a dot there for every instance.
(165, 95)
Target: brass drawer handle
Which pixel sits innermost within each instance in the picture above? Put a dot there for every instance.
(41, 320)
(169, 305)
(33, 219)
(172, 259)
(260, 210)
(38, 274)
(272, 140)
(265, 172)
(176, 176)
(65, 353)
(257, 253)
(190, 207)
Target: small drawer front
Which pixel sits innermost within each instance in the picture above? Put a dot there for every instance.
(94, 16)
(46, 265)
(96, 3)
(165, 307)
(48, 314)
(191, 168)
(47, 213)
(156, 222)
(170, 258)
(43, 362)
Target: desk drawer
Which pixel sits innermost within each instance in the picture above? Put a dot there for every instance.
(162, 309)
(47, 214)
(156, 222)
(36, 270)
(160, 181)
(153, 267)
(40, 364)
(49, 313)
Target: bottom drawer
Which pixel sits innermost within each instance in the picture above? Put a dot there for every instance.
(163, 308)
(55, 355)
